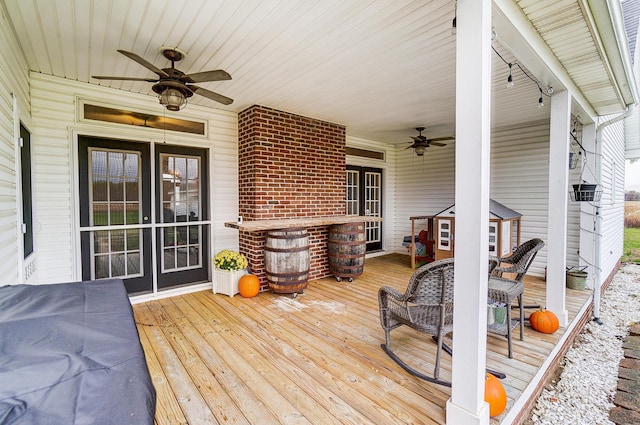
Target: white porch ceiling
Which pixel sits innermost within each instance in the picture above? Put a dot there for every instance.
(378, 67)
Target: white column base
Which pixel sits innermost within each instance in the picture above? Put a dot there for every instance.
(457, 415)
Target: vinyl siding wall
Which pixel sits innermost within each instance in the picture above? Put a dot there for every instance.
(611, 211)
(58, 125)
(519, 180)
(13, 85)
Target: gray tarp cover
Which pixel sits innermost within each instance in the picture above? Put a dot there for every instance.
(70, 354)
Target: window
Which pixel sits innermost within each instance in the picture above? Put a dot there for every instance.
(27, 199)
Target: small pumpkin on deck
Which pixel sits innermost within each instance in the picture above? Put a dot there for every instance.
(495, 395)
(544, 321)
(249, 285)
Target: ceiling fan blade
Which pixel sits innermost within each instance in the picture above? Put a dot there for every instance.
(202, 77)
(437, 144)
(438, 139)
(144, 63)
(211, 95)
(104, 77)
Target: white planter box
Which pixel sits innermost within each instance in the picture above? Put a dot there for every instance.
(226, 281)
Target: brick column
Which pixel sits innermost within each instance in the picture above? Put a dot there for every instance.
(290, 166)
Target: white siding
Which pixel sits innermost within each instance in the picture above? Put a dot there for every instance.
(612, 210)
(13, 81)
(55, 150)
(519, 180)
(425, 186)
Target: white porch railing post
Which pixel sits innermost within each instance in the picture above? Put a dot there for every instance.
(473, 122)
(558, 198)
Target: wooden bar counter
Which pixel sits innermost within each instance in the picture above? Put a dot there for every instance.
(269, 256)
(293, 223)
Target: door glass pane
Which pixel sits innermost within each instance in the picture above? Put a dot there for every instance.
(181, 202)
(100, 216)
(353, 201)
(115, 201)
(372, 205)
(133, 213)
(133, 263)
(116, 189)
(111, 189)
(117, 253)
(133, 240)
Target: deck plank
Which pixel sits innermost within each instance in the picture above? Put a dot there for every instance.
(314, 359)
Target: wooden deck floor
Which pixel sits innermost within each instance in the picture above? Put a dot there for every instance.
(315, 359)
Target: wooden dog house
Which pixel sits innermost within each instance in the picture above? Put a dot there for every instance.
(504, 231)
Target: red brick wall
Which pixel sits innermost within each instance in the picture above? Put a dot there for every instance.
(289, 166)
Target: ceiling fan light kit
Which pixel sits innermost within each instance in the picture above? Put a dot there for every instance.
(421, 143)
(172, 99)
(173, 86)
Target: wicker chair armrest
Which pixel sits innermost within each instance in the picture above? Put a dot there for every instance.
(493, 263)
(393, 295)
(511, 269)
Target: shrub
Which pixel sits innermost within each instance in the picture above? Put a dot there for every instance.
(632, 215)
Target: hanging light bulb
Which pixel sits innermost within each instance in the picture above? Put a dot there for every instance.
(454, 24)
(510, 77)
(540, 100)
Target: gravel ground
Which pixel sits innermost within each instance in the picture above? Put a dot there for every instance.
(586, 387)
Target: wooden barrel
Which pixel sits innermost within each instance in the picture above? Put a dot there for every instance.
(287, 260)
(346, 246)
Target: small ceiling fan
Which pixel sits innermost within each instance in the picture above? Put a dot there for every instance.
(173, 86)
(421, 143)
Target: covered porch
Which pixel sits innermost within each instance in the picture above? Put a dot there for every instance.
(317, 358)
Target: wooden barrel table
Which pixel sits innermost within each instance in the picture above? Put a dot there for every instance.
(287, 260)
(346, 247)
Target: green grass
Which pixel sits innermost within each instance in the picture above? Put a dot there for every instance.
(631, 250)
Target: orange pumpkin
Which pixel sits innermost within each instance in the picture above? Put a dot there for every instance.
(249, 285)
(544, 321)
(495, 395)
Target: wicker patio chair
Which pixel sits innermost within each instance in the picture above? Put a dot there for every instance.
(520, 260)
(426, 306)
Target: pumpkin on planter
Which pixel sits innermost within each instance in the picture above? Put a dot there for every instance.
(249, 285)
(495, 395)
(544, 321)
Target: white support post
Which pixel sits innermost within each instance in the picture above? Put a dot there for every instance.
(587, 209)
(473, 134)
(558, 196)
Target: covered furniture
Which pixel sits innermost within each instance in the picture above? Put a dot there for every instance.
(426, 305)
(71, 355)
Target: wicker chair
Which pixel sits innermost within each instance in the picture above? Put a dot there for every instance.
(426, 305)
(520, 260)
